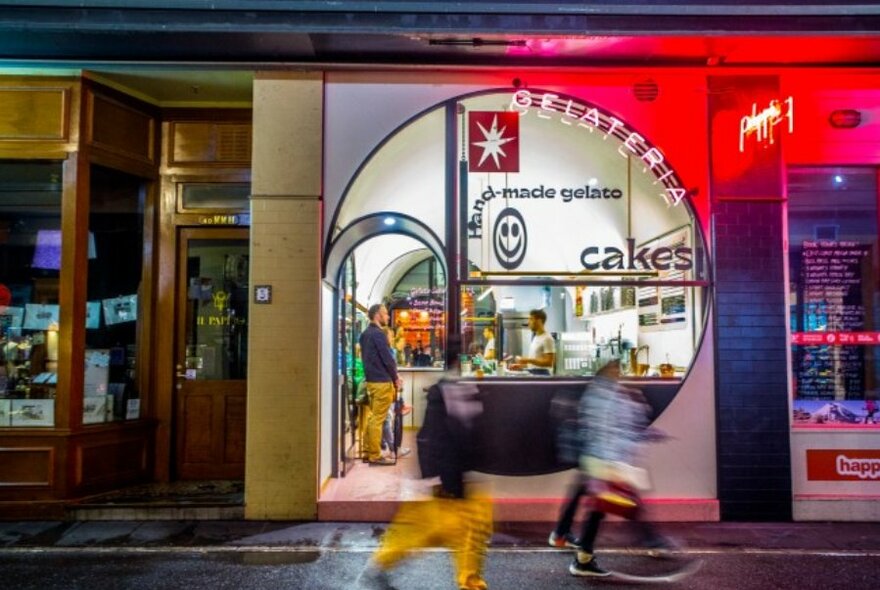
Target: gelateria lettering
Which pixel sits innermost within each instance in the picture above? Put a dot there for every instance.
(566, 195)
(635, 258)
(574, 113)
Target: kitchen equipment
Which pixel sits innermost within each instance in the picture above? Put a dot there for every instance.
(636, 368)
(667, 369)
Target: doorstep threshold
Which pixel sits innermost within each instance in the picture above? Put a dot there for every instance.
(153, 512)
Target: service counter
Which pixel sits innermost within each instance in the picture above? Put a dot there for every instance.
(416, 381)
(518, 433)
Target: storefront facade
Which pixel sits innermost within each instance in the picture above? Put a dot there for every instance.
(743, 451)
(713, 228)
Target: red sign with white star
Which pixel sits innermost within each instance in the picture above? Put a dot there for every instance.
(493, 141)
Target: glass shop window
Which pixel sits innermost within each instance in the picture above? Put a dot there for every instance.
(833, 296)
(417, 306)
(213, 196)
(115, 259)
(30, 261)
(572, 331)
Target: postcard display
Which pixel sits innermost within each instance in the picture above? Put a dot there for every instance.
(833, 306)
(28, 372)
(29, 352)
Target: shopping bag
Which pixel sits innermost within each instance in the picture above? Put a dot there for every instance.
(613, 497)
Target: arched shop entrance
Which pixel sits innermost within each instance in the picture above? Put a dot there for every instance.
(402, 273)
(541, 200)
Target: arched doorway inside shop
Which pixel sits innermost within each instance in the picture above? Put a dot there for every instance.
(394, 261)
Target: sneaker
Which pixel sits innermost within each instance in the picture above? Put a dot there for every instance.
(590, 568)
(382, 461)
(562, 541)
(403, 451)
(659, 546)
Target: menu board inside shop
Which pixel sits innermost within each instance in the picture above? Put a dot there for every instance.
(831, 278)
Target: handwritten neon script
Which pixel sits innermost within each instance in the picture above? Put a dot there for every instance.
(762, 124)
(573, 113)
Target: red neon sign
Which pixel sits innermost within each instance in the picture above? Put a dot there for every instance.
(762, 124)
(836, 338)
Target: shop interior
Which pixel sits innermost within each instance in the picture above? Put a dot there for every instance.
(653, 330)
(402, 273)
(590, 325)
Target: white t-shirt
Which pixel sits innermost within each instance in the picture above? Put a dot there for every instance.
(541, 344)
(490, 347)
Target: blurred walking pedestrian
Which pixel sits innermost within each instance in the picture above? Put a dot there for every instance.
(458, 515)
(612, 423)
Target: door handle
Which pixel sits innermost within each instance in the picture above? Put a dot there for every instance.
(181, 375)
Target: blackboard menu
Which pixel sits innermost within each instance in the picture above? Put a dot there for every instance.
(831, 277)
(830, 296)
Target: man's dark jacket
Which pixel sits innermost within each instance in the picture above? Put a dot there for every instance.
(379, 365)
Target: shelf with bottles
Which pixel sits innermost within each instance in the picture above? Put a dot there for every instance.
(600, 301)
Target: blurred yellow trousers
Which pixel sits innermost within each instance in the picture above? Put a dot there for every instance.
(462, 525)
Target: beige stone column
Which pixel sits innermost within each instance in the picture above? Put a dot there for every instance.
(284, 339)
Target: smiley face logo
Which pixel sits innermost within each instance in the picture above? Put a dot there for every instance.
(509, 238)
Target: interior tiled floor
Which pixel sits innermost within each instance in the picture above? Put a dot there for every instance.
(371, 493)
(381, 483)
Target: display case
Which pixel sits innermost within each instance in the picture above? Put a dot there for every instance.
(30, 263)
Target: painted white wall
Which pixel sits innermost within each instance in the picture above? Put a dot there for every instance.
(328, 317)
(684, 467)
(373, 256)
(802, 440)
(407, 175)
(392, 274)
(363, 108)
(559, 156)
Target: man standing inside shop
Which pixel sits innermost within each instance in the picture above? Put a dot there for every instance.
(542, 350)
(380, 372)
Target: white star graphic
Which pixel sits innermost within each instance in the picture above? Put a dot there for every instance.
(494, 139)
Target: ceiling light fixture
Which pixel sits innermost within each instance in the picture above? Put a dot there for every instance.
(478, 42)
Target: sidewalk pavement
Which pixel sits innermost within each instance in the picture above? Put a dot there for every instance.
(197, 535)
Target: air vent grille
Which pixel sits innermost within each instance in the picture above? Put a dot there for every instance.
(646, 90)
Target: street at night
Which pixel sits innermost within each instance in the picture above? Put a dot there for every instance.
(221, 555)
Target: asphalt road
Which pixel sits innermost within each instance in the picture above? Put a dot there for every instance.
(218, 568)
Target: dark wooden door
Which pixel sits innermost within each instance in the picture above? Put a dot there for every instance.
(211, 353)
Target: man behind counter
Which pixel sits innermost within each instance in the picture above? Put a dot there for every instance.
(542, 349)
